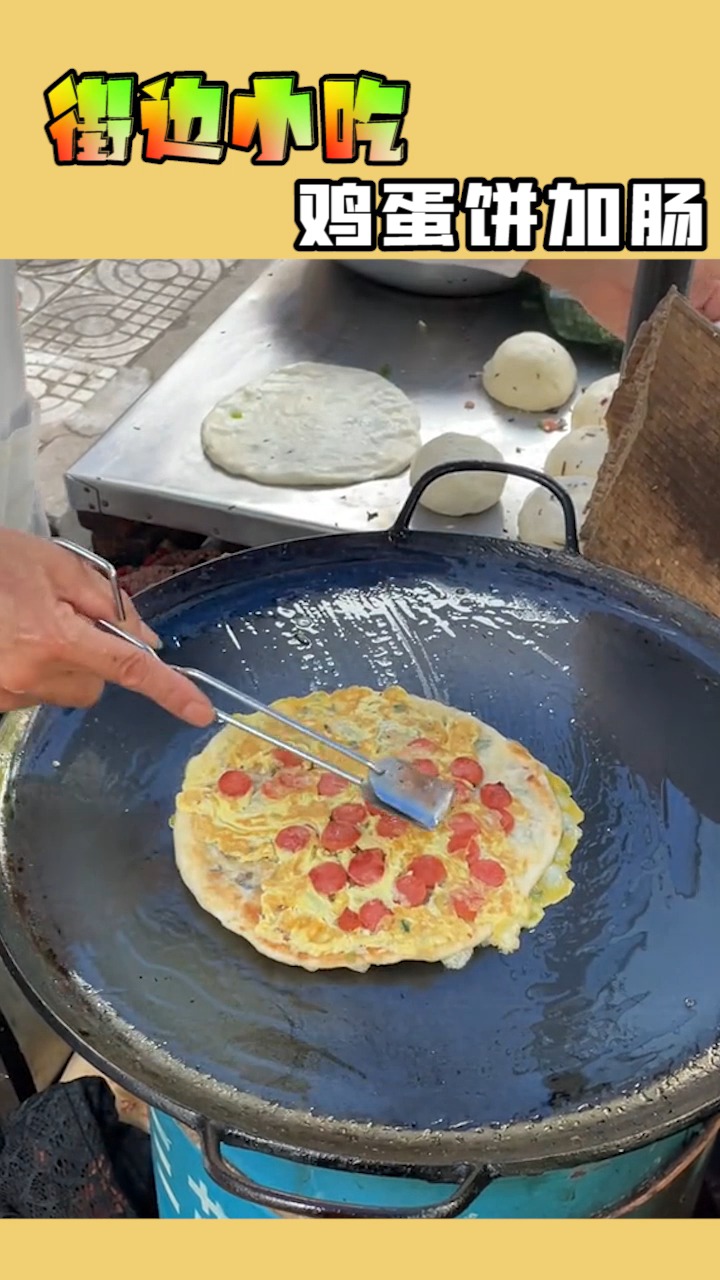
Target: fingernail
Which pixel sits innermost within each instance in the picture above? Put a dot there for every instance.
(196, 712)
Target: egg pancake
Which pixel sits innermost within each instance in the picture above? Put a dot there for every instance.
(311, 873)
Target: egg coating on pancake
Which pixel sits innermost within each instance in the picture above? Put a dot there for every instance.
(312, 873)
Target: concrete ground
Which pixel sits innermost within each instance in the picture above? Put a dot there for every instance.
(99, 332)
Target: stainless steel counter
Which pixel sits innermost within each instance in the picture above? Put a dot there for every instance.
(150, 465)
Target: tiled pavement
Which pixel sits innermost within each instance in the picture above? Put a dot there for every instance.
(98, 332)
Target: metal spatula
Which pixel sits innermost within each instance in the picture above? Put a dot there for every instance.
(396, 784)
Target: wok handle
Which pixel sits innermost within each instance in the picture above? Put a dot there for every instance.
(401, 527)
(238, 1184)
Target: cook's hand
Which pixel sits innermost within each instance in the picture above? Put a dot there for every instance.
(605, 288)
(50, 652)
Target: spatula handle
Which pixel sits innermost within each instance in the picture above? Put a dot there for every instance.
(201, 677)
(246, 700)
(224, 718)
(104, 567)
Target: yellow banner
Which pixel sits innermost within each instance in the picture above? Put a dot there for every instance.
(173, 133)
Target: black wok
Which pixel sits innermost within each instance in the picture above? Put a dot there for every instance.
(599, 1034)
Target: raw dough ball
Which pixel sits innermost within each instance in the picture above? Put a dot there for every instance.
(591, 407)
(532, 372)
(313, 424)
(579, 453)
(541, 519)
(466, 492)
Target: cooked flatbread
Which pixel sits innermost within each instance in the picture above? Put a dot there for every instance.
(311, 873)
(313, 424)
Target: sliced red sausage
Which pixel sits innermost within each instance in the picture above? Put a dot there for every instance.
(339, 835)
(236, 782)
(374, 811)
(390, 826)
(328, 878)
(367, 866)
(464, 823)
(428, 869)
(456, 844)
(330, 785)
(462, 793)
(466, 905)
(293, 839)
(294, 779)
(411, 890)
(287, 758)
(428, 767)
(348, 921)
(487, 871)
(464, 828)
(495, 796)
(352, 813)
(466, 769)
(273, 789)
(459, 842)
(373, 913)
